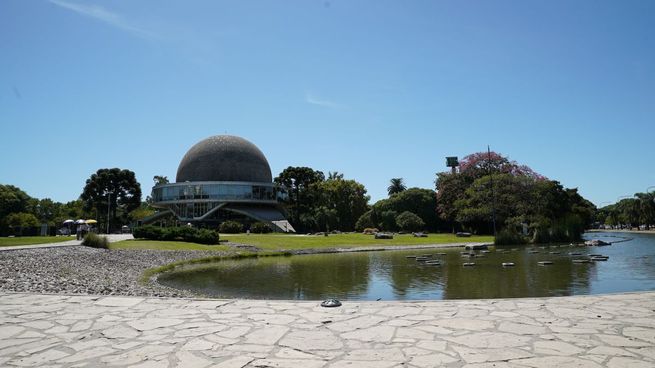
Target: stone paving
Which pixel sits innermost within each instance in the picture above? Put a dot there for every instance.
(96, 331)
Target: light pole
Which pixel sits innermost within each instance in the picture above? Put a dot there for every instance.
(493, 195)
(108, 209)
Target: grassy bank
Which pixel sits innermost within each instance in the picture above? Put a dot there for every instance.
(165, 245)
(275, 242)
(293, 242)
(30, 240)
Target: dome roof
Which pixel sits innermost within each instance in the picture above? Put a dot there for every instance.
(224, 158)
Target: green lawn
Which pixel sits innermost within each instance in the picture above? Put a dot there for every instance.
(290, 242)
(29, 240)
(274, 242)
(165, 245)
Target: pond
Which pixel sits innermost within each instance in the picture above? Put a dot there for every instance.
(391, 275)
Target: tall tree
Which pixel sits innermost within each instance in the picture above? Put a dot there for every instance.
(396, 186)
(115, 190)
(300, 200)
(13, 200)
(346, 197)
(646, 208)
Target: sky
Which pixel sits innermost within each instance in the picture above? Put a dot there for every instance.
(372, 89)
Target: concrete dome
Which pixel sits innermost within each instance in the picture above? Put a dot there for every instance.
(224, 158)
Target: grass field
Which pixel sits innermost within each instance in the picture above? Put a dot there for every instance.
(29, 240)
(165, 245)
(275, 242)
(291, 242)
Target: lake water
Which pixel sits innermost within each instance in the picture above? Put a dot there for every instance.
(390, 275)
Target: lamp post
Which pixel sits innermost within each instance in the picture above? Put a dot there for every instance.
(108, 209)
(493, 195)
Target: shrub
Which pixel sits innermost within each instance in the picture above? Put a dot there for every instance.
(509, 237)
(147, 232)
(365, 221)
(260, 228)
(94, 240)
(408, 221)
(388, 220)
(230, 227)
(206, 236)
(183, 233)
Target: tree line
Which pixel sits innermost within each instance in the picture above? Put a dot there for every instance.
(638, 211)
(526, 205)
(112, 195)
(315, 202)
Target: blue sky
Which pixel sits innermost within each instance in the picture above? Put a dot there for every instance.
(372, 89)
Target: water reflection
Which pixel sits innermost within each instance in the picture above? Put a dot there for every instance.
(391, 276)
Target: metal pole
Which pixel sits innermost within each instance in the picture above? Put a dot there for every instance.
(108, 208)
(493, 194)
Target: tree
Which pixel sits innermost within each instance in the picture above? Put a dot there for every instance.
(116, 190)
(422, 202)
(19, 220)
(347, 197)
(409, 222)
(388, 220)
(48, 211)
(295, 183)
(365, 221)
(159, 180)
(396, 185)
(451, 187)
(646, 208)
(480, 164)
(13, 200)
(143, 211)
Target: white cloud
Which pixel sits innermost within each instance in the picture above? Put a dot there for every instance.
(108, 17)
(313, 100)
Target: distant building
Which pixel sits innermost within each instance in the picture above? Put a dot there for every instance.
(221, 178)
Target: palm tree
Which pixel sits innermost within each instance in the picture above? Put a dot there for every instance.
(396, 186)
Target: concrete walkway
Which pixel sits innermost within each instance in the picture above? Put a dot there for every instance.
(112, 238)
(93, 331)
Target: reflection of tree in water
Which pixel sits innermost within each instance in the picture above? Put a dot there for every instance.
(331, 275)
(407, 275)
(488, 279)
(297, 277)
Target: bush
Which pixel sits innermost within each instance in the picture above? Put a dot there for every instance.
(365, 221)
(509, 237)
(408, 221)
(230, 227)
(183, 233)
(147, 232)
(388, 220)
(94, 240)
(206, 236)
(260, 228)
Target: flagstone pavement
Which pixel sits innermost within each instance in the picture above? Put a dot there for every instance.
(616, 330)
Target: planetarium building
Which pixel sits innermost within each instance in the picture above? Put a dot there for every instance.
(221, 178)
